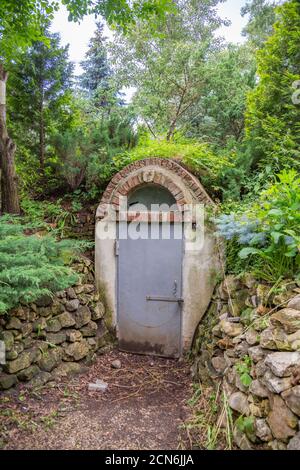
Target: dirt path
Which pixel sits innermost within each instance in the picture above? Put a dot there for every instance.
(143, 408)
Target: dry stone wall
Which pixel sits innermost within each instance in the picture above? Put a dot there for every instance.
(250, 342)
(54, 337)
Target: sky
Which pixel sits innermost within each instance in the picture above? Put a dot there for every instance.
(78, 35)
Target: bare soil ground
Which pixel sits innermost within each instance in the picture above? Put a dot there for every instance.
(144, 407)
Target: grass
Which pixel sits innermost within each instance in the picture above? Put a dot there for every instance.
(210, 425)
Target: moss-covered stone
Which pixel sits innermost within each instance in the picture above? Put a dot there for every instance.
(28, 374)
(8, 338)
(66, 320)
(56, 338)
(50, 359)
(7, 381)
(14, 324)
(53, 325)
(76, 351)
(22, 362)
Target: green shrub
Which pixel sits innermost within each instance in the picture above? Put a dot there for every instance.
(198, 157)
(32, 266)
(268, 231)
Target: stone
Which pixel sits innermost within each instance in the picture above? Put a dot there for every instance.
(262, 430)
(44, 301)
(8, 339)
(11, 355)
(41, 345)
(98, 311)
(72, 305)
(76, 351)
(40, 324)
(231, 329)
(35, 354)
(71, 294)
(252, 337)
(27, 342)
(14, 324)
(241, 439)
(255, 410)
(90, 329)
(294, 336)
(22, 362)
(258, 389)
(56, 338)
(238, 402)
(92, 343)
(292, 399)
(277, 445)
(294, 443)
(241, 349)
(276, 384)
(295, 345)
(40, 379)
(249, 280)
(263, 292)
(82, 316)
(45, 312)
(282, 364)
(294, 303)
(7, 381)
(28, 374)
(26, 329)
(219, 364)
(66, 320)
(57, 308)
(50, 359)
(288, 319)
(257, 353)
(66, 369)
(53, 325)
(281, 420)
(88, 288)
(260, 368)
(73, 335)
(116, 364)
(274, 338)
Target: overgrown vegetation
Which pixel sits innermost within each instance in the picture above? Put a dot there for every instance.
(32, 265)
(267, 232)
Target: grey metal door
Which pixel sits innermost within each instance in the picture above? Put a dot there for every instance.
(149, 295)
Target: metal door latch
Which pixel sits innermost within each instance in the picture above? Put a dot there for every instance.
(165, 299)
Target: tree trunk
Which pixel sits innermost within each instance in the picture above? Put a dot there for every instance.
(9, 185)
(42, 137)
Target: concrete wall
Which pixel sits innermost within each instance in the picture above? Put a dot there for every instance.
(200, 266)
(199, 273)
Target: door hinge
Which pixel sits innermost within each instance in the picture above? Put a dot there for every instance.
(117, 247)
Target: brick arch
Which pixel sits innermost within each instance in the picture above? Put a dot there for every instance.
(155, 171)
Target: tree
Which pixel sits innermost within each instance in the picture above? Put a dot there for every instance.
(273, 117)
(96, 68)
(262, 16)
(20, 25)
(219, 114)
(40, 83)
(168, 69)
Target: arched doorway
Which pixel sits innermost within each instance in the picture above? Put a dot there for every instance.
(156, 286)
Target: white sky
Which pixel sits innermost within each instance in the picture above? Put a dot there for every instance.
(78, 35)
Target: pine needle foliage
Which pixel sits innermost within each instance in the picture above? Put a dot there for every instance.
(32, 266)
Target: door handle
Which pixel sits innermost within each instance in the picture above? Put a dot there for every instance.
(164, 299)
